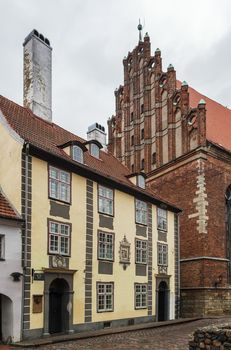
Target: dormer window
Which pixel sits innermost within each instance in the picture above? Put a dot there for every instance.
(77, 154)
(141, 181)
(94, 150)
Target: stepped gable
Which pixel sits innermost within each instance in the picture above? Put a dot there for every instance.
(218, 118)
(49, 137)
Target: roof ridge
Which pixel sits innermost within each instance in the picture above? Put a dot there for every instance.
(31, 114)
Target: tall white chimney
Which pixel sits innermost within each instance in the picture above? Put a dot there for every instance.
(97, 132)
(37, 75)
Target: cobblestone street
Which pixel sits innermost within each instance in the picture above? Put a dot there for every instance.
(174, 337)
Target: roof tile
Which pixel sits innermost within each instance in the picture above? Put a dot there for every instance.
(6, 210)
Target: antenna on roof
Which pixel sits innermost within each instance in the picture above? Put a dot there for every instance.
(140, 27)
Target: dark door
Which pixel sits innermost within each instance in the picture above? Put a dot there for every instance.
(58, 315)
(162, 302)
(55, 314)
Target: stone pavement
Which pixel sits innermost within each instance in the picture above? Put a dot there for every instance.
(170, 337)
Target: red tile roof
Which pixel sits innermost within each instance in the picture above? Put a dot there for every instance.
(49, 137)
(218, 119)
(6, 210)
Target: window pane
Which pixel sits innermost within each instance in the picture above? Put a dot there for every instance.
(141, 212)
(54, 188)
(78, 154)
(94, 150)
(53, 173)
(59, 184)
(105, 296)
(54, 243)
(105, 200)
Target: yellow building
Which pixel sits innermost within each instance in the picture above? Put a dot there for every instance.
(100, 249)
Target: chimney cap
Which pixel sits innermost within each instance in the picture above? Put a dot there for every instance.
(39, 36)
(96, 126)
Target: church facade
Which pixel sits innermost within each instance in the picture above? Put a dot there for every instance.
(181, 140)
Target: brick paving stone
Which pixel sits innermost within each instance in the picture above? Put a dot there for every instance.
(173, 337)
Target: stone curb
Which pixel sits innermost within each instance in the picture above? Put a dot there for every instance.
(92, 334)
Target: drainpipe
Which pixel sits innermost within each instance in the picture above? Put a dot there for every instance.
(26, 202)
(26, 228)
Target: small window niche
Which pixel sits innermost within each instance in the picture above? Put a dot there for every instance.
(37, 304)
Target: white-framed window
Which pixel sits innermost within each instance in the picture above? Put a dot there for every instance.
(141, 181)
(140, 295)
(141, 212)
(162, 254)
(162, 219)
(2, 247)
(105, 297)
(94, 150)
(105, 200)
(59, 238)
(77, 154)
(105, 245)
(59, 184)
(141, 251)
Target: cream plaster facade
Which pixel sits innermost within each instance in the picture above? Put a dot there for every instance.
(25, 180)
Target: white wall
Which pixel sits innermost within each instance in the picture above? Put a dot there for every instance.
(11, 290)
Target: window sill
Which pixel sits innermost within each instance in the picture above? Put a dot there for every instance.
(139, 223)
(141, 307)
(58, 254)
(106, 260)
(162, 229)
(106, 214)
(59, 200)
(101, 311)
(141, 263)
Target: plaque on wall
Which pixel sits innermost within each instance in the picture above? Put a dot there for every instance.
(59, 261)
(37, 304)
(38, 276)
(162, 270)
(124, 252)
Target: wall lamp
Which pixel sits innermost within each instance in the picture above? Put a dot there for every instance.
(16, 276)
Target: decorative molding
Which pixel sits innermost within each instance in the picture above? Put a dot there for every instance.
(124, 252)
(59, 261)
(162, 270)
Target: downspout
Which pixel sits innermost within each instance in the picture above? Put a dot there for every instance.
(25, 238)
(26, 201)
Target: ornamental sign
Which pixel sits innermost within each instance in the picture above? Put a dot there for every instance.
(38, 276)
(124, 252)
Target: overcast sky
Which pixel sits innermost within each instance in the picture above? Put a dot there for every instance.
(91, 37)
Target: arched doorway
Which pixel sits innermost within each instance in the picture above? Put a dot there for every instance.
(6, 319)
(163, 302)
(58, 310)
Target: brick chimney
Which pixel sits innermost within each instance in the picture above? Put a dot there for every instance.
(37, 75)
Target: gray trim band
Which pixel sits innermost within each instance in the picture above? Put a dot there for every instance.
(204, 258)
